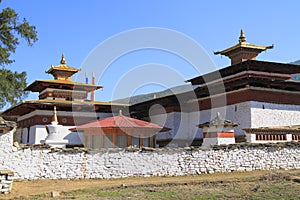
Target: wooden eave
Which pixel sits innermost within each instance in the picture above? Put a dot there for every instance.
(40, 85)
(174, 102)
(244, 82)
(62, 67)
(255, 65)
(271, 130)
(28, 106)
(243, 45)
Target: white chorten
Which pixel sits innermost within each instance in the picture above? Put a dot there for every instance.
(54, 138)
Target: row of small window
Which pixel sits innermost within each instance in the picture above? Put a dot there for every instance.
(93, 142)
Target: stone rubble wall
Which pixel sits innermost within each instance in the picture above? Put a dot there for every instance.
(41, 162)
(6, 179)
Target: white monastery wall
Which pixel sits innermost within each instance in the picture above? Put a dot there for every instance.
(43, 163)
(166, 120)
(268, 114)
(239, 113)
(184, 125)
(37, 133)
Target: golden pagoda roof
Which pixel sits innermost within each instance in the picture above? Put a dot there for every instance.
(62, 67)
(39, 85)
(243, 44)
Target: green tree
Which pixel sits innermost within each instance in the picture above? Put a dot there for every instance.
(12, 29)
(12, 86)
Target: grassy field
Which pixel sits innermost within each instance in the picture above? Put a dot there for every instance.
(242, 185)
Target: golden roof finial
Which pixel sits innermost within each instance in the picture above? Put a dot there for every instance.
(120, 112)
(242, 37)
(63, 60)
(54, 115)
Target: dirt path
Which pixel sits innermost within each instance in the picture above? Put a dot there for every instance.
(26, 188)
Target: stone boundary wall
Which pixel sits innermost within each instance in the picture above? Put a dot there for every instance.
(41, 162)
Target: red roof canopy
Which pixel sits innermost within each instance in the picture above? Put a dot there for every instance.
(120, 121)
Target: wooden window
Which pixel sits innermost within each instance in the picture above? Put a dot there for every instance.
(107, 141)
(87, 141)
(28, 135)
(95, 141)
(121, 141)
(146, 142)
(135, 142)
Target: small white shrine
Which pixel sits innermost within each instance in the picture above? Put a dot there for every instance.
(218, 131)
(55, 138)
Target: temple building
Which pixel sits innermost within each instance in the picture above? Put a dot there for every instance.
(70, 99)
(249, 92)
(119, 132)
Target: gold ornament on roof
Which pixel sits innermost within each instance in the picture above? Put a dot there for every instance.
(243, 51)
(63, 60)
(242, 37)
(54, 115)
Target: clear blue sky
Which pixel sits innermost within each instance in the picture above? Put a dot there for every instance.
(77, 27)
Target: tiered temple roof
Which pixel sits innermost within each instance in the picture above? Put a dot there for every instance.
(246, 79)
(62, 86)
(62, 71)
(61, 92)
(243, 51)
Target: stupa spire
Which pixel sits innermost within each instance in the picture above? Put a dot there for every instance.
(242, 37)
(63, 60)
(62, 71)
(54, 115)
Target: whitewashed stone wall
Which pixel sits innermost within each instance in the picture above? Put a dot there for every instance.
(37, 162)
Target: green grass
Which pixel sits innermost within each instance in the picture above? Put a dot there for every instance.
(239, 189)
(267, 185)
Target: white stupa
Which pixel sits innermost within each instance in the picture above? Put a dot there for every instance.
(54, 138)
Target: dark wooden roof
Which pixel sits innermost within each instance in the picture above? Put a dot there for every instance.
(175, 102)
(28, 106)
(40, 85)
(254, 65)
(227, 86)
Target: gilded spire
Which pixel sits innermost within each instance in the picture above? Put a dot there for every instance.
(242, 37)
(243, 51)
(63, 60)
(54, 115)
